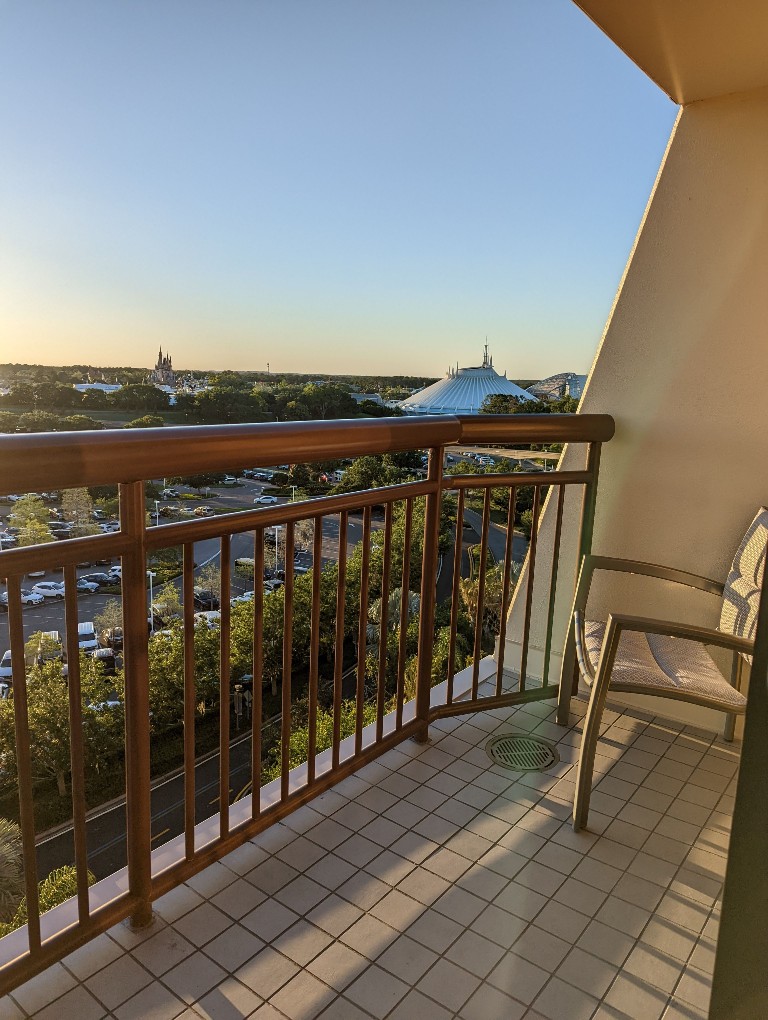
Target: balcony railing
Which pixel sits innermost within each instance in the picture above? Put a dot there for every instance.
(42, 462)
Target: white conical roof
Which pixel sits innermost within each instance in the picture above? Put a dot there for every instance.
(463, 391)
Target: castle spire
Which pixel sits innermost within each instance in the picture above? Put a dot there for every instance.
(485, 354)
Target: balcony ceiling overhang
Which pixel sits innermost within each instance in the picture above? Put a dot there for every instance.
(692, 49)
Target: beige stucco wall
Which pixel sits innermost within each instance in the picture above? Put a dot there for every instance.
(683, 368)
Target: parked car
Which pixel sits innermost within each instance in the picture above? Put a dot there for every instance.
(98, 515)
(86, 586)
(247, 596)
(86, 636)
(265, 500)
(6, 672)
(49, 589)
(116, 571)
(7, 540)
(272, 585)
(106, 657)
(229, 480)
(169, 494)
(112, 638)
(29, 597)
(210, 619)
(35, 573)
(50, 647)
(99, 578)
(205, 599)
(203, 511)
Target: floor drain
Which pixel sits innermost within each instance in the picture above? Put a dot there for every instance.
(521, 752)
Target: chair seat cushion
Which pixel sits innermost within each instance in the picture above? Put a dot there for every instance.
(672, 666)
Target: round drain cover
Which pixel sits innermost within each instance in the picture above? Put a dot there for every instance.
(520, 752)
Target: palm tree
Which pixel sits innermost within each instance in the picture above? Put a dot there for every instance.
(11, 869)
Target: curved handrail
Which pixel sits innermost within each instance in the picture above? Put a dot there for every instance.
(57, 460)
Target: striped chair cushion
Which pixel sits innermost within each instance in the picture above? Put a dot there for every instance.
(674, 666)
(741, 597)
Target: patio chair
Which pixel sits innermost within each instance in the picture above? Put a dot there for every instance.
(638, 655)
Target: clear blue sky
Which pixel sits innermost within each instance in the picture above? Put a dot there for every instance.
(324, 185)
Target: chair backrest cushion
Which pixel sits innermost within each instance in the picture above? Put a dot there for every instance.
(741, 597)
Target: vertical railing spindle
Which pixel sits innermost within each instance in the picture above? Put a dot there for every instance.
(23, 760)
(224, 687)
(480, 608)
(76, 752)
(258, 670)
(428, 591)
(553, 585)
(529, 589)
(314, 645)
(338, 660)
(405, 593)
(509, 547)
(137, 730)
(190, 697)
(285, 733)
(362, 630)
(458, 551)
(381, 689)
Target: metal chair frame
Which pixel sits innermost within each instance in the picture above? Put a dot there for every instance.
(617, 624)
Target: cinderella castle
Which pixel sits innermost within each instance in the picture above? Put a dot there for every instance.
(163, 374)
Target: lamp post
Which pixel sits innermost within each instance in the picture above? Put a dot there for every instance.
(238, 696)
(151, 574)
(293, 493)
(277, 547)
(157, 512)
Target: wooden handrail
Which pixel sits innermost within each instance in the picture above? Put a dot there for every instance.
(58, 460)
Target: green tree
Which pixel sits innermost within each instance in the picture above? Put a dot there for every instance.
(11, 869)
(110, 617)
(31, 517)
(148, 421)
(140, 397)
(58, 887)
(77, 505)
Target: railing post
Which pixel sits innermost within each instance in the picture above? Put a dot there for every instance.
(739, 987)
(428, 591)
(136, 661)
(569, 676)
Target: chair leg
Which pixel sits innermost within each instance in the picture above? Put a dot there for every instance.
(729, 728)
(597, 699)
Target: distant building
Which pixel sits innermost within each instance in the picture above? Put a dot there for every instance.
(103, 386)
(162, 374)
(564, 384)
(463, 390)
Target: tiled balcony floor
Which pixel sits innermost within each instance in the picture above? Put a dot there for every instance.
(433, 885)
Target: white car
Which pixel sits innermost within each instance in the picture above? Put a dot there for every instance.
(247, 596)
(49, 589)
(6, 673)
(86, 636)
(29, 598)
(210, 618)
(229, 480)
(265, 500)
(117, 571)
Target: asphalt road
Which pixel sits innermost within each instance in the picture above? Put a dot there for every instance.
(106, 829)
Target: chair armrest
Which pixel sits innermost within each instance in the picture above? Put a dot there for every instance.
(655, 570)
(690, 632)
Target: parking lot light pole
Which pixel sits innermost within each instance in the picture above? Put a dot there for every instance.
(157, 512)
(151, 574)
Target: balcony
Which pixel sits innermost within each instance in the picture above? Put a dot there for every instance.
(394, 869)
(431, 883)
